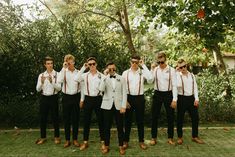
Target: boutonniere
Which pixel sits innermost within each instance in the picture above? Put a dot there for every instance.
(118, 79)
(99, 76)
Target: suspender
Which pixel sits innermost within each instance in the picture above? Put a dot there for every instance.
(183, 84)
(169, 79)
(128, 83)
(169, 82)
(55, 81)
(87, 84)
(65, 81)
(55, 77)
(41, 78)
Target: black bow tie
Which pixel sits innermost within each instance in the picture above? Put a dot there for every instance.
(112, 76)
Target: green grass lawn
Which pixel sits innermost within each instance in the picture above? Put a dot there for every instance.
(219, 142)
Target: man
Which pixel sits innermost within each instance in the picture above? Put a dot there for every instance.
(113, 104)
(134, 78)
(165, 92)
(49, 87)
(91, 99)
(187, 101)
(70, 99)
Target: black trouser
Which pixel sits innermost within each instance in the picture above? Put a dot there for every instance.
(186, 103)
(71, 111)
(137, 104)
(49, 104)
(108, 119)
(160, 98)
(90, 104)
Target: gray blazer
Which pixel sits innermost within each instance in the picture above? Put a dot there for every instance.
(118, 96)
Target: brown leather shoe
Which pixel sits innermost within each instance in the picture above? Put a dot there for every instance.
(67, 144)
(180, 141)
(75, 143)
(125, 145)
(105, 150)
(84, 145)
(122, 151)
(41, 141)
(197, 140)
(57, 140)
(170, 141)
(153, 141)
(143, 146)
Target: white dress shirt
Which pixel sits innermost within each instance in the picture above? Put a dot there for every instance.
(187, 85)
(89, 83)
(165, 80)
(70, 86)
(47, 87)
(135, 80)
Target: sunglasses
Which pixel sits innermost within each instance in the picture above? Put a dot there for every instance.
(90, 64)
(160, 62)
(135, 62)
(112, 69)
(183, 67)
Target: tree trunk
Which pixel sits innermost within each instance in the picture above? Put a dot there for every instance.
(219, 59)
(123, 17)
(222, 69)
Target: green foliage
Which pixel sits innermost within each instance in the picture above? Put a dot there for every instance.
(215, 103)
(23, 45)
(182, 14)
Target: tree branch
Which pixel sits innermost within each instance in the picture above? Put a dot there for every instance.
(110, 17)
(44, 3)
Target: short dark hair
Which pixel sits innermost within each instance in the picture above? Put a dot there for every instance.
(181, 61)
(47, 58)
(135, 56)
(110, 63)
(91, 58)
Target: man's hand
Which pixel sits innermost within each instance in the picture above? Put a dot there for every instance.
(81, 104)
(43, 79)
(122, 110)
(128, 106)
(50, 78)
(153, 65)
(173, 104)
(85, 65)
(196, 103)
(141, 62)
(106, 71)
(65, 65)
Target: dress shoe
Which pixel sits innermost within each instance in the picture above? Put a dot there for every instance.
(197, 140)
(143, 146)
(125, 145)
(75, 143)
(153, 142)
(122, 151)
(170, 141)
(67, 144)
(84, 146)
(41, 141)
(105, 150)
(180, 141)
(57, 140)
